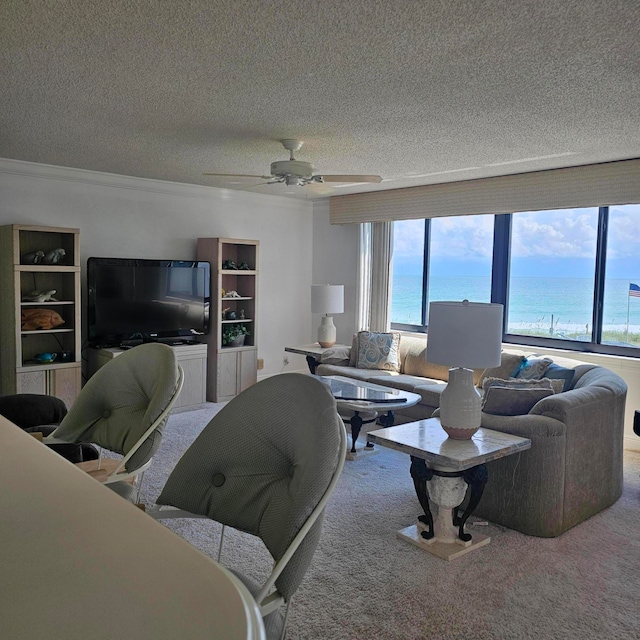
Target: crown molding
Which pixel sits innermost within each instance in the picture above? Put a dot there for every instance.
(98, 178)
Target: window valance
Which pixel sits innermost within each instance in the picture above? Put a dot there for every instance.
(608, 183)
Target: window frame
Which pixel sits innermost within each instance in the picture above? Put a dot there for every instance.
(500, 272)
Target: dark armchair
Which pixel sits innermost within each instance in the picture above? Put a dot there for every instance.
(36, 413)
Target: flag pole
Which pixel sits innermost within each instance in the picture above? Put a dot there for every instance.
(626, 333)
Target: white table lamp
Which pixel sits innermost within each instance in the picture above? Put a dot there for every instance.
(464, 335)
(327, 299)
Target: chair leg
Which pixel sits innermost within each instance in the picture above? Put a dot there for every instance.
(221, 539)
(139, 480)
(286, 618)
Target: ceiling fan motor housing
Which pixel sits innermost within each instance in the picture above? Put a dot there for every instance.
(296, 168)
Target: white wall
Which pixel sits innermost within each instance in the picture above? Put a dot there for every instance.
(127, 217)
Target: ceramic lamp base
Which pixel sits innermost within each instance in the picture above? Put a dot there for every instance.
(326, 332)
(460, 405)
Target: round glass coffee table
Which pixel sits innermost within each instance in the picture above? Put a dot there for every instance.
(361, 403)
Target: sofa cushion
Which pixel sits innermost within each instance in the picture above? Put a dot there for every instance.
(509, 365)
(352, 372)
(533, 368)
(556, 372)
(506, 401)
(430, 393)
(378, 350)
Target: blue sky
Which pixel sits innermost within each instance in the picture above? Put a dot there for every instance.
(545, 244)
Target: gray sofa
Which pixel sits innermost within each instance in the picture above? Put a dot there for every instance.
(574, 467)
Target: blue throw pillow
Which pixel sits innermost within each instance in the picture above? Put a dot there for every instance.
(556, 372)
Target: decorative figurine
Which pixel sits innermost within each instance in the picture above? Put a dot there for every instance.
(244, 266)
(40, 296)
(231, 294)
(54, 257)
(33, 319)
(32, 258)
(241, 314)
(46, 357)
(229, 265)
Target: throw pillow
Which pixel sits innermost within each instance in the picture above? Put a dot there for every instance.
(516, 383)
(353, 356)
(502, 401)
(509, 364)
(556, 372)
(378, 351)
(336, 355)
(533, 368)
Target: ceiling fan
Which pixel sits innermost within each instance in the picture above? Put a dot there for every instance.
(297, 172)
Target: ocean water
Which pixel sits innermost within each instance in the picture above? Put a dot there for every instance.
(549, 306)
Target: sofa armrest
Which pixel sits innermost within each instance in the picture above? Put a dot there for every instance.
(594, 419)
(527, 426)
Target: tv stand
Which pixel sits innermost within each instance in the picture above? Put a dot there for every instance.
(192, 357)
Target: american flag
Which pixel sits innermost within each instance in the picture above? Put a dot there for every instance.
(634, 290)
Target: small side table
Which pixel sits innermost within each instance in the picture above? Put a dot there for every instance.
(443, 470)
(313, 353)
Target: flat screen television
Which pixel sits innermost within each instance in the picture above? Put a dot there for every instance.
(134, 300)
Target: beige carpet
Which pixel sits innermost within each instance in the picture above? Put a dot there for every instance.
(364, 583)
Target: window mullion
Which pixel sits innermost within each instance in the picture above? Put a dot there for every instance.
(501, 263)
(599, 279)
(425, 271)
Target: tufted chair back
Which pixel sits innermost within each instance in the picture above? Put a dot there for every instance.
(122, 400)
(263, 464)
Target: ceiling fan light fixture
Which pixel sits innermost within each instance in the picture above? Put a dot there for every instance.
(292, 167)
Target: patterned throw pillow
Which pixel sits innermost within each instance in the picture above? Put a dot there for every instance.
(533, 368)
(378, 351)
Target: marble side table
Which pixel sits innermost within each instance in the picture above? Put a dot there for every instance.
(443, 471)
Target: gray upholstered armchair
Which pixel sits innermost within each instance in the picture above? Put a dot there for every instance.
(266, 465)
(123, 408)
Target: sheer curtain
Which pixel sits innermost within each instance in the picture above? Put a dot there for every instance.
(380, 275)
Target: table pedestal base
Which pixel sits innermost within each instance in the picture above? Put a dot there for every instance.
(361, 452)
(444, 550)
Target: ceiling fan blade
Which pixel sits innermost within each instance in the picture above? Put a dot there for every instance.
(318, 188)
(235, 175)
(374, 179)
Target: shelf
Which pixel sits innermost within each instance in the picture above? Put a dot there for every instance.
(48, 303)
(39, 332)
(238, 272)
(235, 321)
(51, 268)
(238, 298)
(46, 366)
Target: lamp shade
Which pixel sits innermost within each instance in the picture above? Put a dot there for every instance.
(464, 334)
(327, 298)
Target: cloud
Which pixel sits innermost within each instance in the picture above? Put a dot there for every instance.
(568, 233)
(564, 233)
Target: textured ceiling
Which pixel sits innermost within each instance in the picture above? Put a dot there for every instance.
(418, 92)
